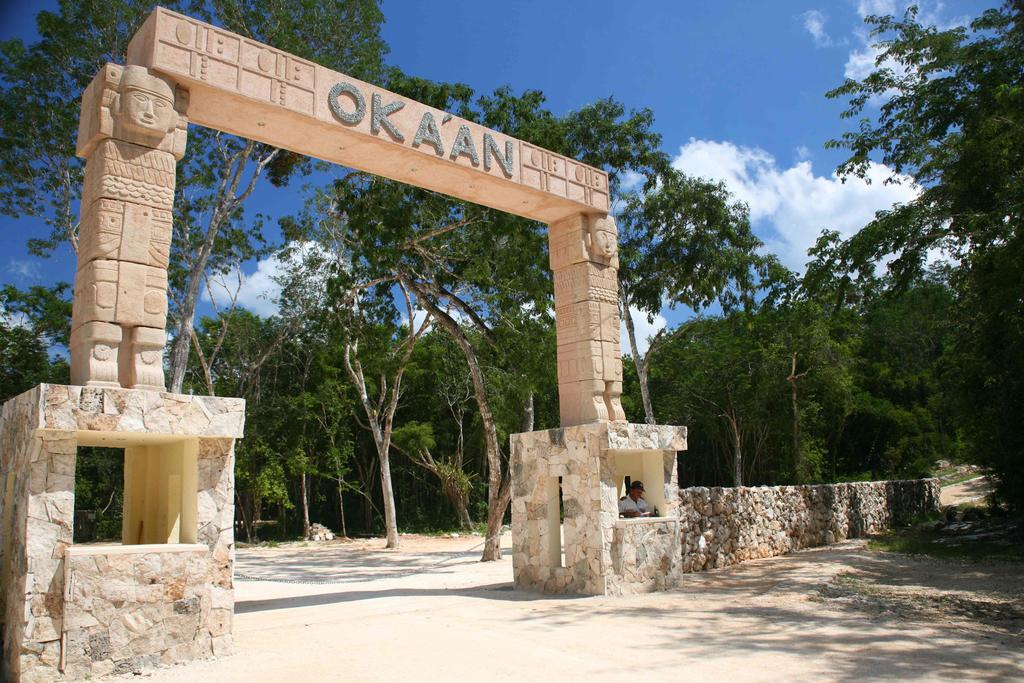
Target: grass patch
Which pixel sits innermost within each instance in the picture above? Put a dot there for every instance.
(938, 544)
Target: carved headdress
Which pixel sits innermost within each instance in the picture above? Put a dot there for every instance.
(133, 104)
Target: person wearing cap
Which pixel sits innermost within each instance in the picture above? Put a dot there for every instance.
(633, 504)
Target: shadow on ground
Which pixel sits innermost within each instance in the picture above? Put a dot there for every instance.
(769, 610)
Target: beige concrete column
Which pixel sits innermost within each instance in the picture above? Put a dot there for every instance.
(132, 132)
(584, 259)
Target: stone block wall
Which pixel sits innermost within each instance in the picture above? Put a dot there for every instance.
(646, 554)
(725, 526)
(37, 472)
(129, 608)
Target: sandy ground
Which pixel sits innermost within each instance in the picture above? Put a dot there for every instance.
(970, 491)
(432, 611)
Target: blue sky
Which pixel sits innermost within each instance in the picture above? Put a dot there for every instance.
(737, 89)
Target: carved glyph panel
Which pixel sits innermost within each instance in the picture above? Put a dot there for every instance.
(229, 61)
(129, 294)
(554, 173)
(332, 116)
(588, 360)
(587, 320)
(586, 281)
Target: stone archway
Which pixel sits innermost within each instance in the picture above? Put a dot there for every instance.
(224, 81)
(57, 616)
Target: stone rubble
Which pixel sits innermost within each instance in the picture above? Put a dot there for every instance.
(318, 532)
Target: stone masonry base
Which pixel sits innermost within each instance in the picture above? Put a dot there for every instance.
(75, 611)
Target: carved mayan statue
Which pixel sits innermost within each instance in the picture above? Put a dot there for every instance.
(132, 132)
(584, 258)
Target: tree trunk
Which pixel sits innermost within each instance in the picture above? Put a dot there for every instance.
(305, 505)
(187, 310)
(638, 363)
(465, 521)
(246, 523)
(381, 436)
(228, 200)
(737, 455)
(388, 493)
(797, 455)
(179, 353)
(499, 491)
(257, 515)
(341, 512)
(367, 516)
(496, 506)
(528, 413)
(457, 498)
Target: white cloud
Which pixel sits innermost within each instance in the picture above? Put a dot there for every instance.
(14, 319)
(630, 180)
(862, 58)
(644, 328)
(419, 315)
(878, 7)
(257, 292)
(260, 290)
(24, 269)
(789, 207)
(861, 62)
(814, 23)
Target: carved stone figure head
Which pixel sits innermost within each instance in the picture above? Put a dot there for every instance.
(603, 241)
(145, 107)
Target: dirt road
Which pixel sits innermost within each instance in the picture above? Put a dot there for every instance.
(970, 491)
(433, 612)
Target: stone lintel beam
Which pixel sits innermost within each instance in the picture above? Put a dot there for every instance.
(254, 90)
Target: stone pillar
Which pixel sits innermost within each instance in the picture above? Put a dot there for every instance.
(132, 132)
(581, 467)
(584, 259)
(37, 509)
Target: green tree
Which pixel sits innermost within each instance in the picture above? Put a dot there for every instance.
(33, 322)
(952, 120)
(685, 241)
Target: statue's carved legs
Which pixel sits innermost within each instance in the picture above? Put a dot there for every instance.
(612, 392)
(142, 358)
(94, 354)
(120, 311)
(107, 355)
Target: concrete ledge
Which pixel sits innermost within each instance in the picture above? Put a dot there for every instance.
(140, 549)
(634, 521)
(154, 414)
(617, 435)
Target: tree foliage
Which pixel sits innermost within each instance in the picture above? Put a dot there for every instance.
(875, 363)
(953, 122)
